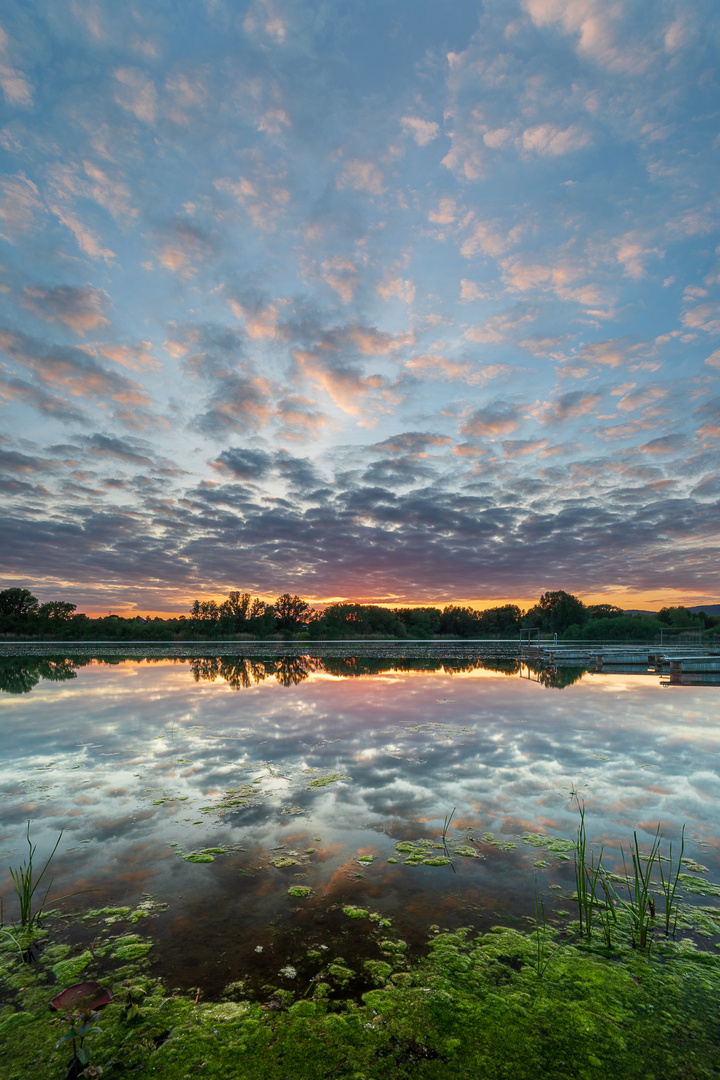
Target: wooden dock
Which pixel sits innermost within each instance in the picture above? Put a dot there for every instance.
(623, 657)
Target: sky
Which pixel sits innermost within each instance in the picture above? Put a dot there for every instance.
(400, 302)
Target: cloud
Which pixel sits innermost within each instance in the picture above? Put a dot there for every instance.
(610, 353)
(568, 406)
(664, 444)
(136, 357)
(499, 327)
(436, 366)
(345, 385)
(299, 417)
(264, 200)
(73, 371)
(547, 140)
(446, 213)
(500, 418)
(183, 246)
(642, 397)
(704, 317)
(20, 202)
(259, 323)
(136, 92)
(264, 17)
(80, 309)
(404, 290)
(15, 86)
(594, 25)
(239, 400)
(411, 442)
(422, 131)
(15, 462)
(713, 360)
(470, 290)
(341, 275)
(489, 238)
(245, 464)
(15, 389)
(632, 254)
(362, 176)
(131, 451)
(523, 447)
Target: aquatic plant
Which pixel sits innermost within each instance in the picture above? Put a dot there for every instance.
(587, 877)
(446, 823)
(670, 884)
(26, 883)
(641, 905)
(79, 1025)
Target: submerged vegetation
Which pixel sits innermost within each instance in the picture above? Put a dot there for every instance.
(544, 1004)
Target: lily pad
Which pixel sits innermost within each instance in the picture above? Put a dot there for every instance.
(80, 997)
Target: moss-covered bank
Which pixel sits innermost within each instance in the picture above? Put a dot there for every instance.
(480, 1006)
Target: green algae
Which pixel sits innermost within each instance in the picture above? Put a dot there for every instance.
(109, 914)
(133, 950)
(438, 860)
(199, 857)
(378, 970)
(67, 971)
(699, 886)
(323, 781)
(284, 860)
(353, 912)
(299, 890)
(556, 844)
(340, 974)
(473, 1006)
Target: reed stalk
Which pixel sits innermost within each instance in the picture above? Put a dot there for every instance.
(27, 884)
(670, 884)
(641, 905)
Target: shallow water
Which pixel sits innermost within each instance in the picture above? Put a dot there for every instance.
(134, 760)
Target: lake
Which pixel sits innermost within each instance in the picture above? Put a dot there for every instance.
(306, 772)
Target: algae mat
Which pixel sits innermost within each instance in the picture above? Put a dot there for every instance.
(477, 1006)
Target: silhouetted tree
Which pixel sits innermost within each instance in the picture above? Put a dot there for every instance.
(290, 612)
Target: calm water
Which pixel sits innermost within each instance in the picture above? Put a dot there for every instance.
(143, 762)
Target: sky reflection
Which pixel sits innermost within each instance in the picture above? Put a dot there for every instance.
(134, 757)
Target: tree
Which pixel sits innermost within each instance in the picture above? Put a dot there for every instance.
(236, 607)
(604, 611)
(678, 617)
(291, 612)
(555, 612)
(18, 603)
(56, 611)
(459, 621)
(205, 611)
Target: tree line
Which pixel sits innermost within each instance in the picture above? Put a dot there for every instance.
(242, 615)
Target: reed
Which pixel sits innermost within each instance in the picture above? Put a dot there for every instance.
(587, 876)
(670, 884)
(27, 883)
(641, 905)
(446, 824)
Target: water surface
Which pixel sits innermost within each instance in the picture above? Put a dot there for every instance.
(329, 762)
